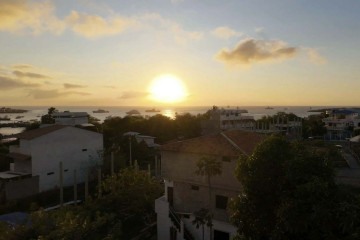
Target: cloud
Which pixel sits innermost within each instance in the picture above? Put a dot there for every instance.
(94, 26)
(156, 22)
(225, 32)
(315, 57)
(69, 86)
(7, 83)
(251, 51)
(53, 93)
(133, 94)
(21, 74)
(22, 66)
(35, 17)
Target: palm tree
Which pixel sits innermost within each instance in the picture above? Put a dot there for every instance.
(209, 167)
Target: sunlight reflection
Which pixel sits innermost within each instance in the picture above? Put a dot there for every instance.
(169, 113)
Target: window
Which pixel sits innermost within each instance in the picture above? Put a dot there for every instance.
(50, 173)
(220, 235)
(194, 187)
(84, 149)
(221, 202)
(65, 170)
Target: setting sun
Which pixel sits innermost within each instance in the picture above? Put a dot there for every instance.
(168, 89)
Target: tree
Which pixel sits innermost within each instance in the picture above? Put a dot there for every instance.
(48, 118)
(202, 218)
(290, 193)
(209, 167)
(126, 207)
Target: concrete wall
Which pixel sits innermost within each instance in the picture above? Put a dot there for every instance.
(75, 148)
(22, 166)
(21, 188)
(181, 167)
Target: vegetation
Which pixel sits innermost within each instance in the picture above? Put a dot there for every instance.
(290, 193)
(125, 207)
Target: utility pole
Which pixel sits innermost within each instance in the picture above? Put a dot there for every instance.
(61, 184)
(130, 150)
(75, 187)
(112, 163)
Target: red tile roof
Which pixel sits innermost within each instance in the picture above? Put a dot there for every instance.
(235, 143)
(28, 135)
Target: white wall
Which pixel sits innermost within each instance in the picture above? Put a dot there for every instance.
(66, 145)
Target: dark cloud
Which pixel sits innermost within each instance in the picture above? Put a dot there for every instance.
(9, 83)
(251, 51)
(69, 86)
(21, 74)
(133, 94)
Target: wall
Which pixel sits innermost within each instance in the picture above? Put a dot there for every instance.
(21, 188)
(75, 148)
(22, 165)
(181, 167)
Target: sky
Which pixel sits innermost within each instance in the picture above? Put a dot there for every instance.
(231, 52)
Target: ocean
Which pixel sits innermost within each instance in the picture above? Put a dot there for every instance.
(35, 113)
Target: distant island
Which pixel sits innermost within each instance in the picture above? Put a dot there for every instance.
(12, 110)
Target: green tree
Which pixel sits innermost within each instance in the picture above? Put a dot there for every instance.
(290, 193)
(48, 118)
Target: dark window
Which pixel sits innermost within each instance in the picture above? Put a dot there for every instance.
(194, 187)
(65, 170)
(226, 159)
(220, 235)
(221, 202)
(170, 195)
(50, 173)
(84, 149)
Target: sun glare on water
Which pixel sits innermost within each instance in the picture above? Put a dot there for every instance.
(168, 89)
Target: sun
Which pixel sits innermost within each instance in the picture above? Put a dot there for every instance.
(168, 89)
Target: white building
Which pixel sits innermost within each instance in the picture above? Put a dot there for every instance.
(40, 152)
(187, 192)
(70, 118)
(341, 122)
(228, 118)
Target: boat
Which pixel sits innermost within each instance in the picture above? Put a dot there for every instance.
(269, 107)
(133, 112)
(152, 110)
(100, 111)
(18, 117)
(4, 118)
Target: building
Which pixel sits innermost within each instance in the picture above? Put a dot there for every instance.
(341, 122)
(148, 140)
(227, 118)
(187, 192)
(40, 151)
(70, 118)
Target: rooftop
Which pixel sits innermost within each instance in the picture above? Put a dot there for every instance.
(35, 133)
(229, 143)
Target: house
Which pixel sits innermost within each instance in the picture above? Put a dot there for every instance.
(227, 118)
(341, 122)
(70, 118)
(148, 140)
(187, 192)
(39, 152)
